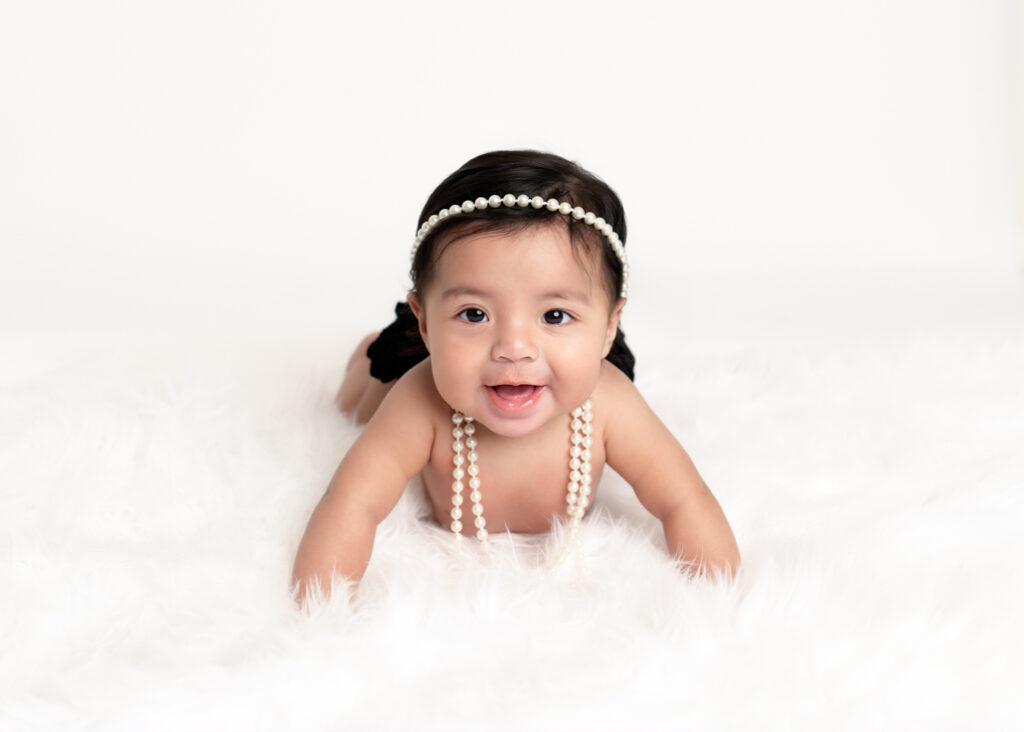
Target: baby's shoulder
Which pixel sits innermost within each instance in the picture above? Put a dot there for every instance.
(415, 393)
(614, 388)
(618, 404)
(408, 417)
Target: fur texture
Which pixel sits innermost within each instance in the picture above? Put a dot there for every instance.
(154, 493)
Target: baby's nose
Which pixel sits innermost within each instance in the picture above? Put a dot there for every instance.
(514, 342)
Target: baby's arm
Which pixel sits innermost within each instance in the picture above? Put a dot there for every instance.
(641, 449)
(368, 483)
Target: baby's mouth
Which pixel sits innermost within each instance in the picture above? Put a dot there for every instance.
(514, 397)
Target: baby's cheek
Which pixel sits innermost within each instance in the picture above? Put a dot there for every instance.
(449, 382)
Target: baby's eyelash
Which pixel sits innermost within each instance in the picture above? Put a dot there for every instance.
(473, 315)
(557, 316)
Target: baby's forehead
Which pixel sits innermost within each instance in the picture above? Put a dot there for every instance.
(476, 239)
(554, 235)
(555, 240)
(535, 259)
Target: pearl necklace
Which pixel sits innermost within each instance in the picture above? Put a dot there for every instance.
(577, 497)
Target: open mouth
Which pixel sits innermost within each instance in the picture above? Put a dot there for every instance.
(514, 397)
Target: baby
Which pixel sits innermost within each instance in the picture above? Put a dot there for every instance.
(506, 379)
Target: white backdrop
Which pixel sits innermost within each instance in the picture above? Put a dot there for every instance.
(204, 204)
(160, 159)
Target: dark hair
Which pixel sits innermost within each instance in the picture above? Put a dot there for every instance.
(519, 172)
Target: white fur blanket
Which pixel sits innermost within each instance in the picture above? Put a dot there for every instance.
(154, 491)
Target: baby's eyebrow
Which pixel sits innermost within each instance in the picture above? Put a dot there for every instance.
(475, 292)
(570, 295)
(462, 292)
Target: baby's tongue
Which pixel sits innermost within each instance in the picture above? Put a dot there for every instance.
(510, 392)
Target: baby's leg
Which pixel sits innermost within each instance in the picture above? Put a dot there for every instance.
(360, 394)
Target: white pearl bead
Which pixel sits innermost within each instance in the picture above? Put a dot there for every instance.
(523, 200)
(577, 495)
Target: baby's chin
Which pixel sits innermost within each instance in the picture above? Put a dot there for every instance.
(513, 429)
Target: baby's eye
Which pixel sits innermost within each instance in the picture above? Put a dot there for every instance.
(557, 317)
(473, 315)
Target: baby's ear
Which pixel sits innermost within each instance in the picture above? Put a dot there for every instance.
(417, 309)
(613, 324)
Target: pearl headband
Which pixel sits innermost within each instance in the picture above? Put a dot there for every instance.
(509, 200)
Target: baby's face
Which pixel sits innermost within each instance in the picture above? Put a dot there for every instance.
(516, 326)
